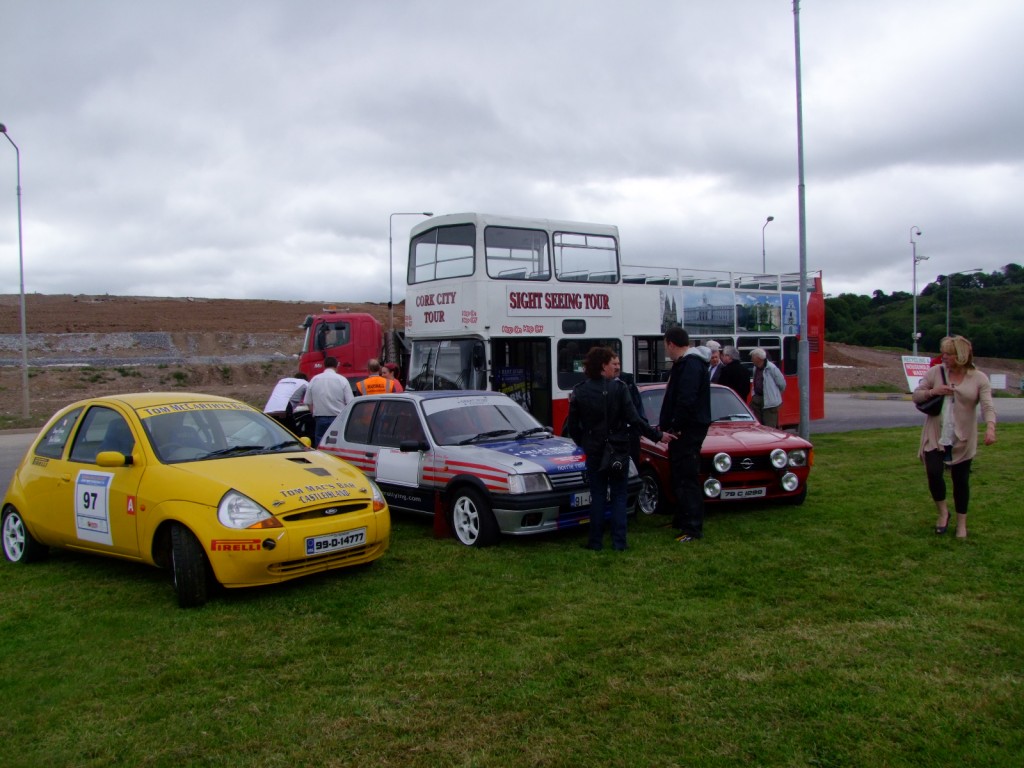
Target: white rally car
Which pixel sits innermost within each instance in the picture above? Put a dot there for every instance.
(476, 457)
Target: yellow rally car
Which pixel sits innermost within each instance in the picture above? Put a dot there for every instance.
(203, 485)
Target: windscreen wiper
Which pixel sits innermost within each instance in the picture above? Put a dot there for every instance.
(486, 435)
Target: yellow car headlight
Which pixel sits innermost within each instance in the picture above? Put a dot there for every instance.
(379, 502)
(236, 510)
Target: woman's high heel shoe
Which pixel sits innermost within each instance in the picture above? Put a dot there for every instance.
(941, 529)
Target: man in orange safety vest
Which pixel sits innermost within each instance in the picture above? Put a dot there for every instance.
(375, 384)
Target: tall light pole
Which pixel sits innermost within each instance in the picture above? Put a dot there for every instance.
(391, 277)
(965, 272)
(21, 272)
(803, 361)
(915, 232)
(766, 223)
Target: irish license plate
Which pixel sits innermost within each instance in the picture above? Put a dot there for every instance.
(581, 499)
(333, 542)
(742, 493)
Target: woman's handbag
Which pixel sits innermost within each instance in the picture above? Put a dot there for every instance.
(933, 405)
(615, 460)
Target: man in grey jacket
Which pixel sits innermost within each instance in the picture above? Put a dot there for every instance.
(769, 384)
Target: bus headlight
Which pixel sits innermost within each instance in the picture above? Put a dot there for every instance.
(722, 462)
(712, 488)
(798, 458)
(535, 482)
(779, 458)
(790, 482)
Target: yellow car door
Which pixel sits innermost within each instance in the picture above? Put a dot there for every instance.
(99, 502)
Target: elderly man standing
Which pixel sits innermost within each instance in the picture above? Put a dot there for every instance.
(327, 395)
(686, 413)
(769, 384)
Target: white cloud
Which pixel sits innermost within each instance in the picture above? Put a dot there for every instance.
(257, 149)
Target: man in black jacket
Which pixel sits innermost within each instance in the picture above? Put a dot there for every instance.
(686, 412)
(734, 375)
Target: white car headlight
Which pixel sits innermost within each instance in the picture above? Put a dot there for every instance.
(535, 482)
(722, 462)
(779, 458)
(712, 488)
(798, 458)
(790, 482)
(236, 510)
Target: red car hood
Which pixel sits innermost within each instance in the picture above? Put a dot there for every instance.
(747, 436)
(742, 437)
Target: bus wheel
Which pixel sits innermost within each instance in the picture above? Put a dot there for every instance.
(472, 519)
(650, 494)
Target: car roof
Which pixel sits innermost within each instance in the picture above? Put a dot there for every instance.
(136, 400)
(437, 394)
(663, 384)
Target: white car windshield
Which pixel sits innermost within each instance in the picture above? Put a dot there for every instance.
(461, 421)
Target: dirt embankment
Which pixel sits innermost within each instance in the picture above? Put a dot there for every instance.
(238, 348)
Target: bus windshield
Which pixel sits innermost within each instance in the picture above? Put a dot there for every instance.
(447, 364)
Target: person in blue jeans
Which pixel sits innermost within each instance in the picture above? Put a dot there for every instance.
(601, 412)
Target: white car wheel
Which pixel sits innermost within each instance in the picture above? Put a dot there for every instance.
(472, 520)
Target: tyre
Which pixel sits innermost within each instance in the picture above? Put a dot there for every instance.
(799, 498)
(472, 520)
(649, 498)
(19, 545)
(188, 563)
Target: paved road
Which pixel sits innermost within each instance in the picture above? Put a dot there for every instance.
(843, 413)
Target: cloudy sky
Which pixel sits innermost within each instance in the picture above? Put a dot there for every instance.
(256, 148)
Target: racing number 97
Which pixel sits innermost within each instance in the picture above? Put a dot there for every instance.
(89, 500)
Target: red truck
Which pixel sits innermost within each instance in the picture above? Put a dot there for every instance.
(351, 337)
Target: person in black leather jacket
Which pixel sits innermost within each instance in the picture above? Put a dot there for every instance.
(686, 413)
(734, 375)
(601, 412)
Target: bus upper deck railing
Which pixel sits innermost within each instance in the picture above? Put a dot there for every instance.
(700, 278)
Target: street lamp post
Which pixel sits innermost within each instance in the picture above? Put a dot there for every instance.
(965, 272)
(21, 274)
(391, 277)
(763, 262)
(915, 232)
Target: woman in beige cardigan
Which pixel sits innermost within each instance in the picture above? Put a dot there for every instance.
(951, 438)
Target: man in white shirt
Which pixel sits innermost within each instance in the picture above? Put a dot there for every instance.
(327, 395)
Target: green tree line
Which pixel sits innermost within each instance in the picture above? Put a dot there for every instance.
(986, 308)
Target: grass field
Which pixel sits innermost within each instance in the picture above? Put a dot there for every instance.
(840, 633)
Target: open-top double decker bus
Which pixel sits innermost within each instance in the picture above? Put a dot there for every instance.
(514, 304)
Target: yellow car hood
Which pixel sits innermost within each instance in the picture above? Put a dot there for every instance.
(281, 482)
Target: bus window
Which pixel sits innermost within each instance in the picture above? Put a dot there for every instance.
(442, 253)
(517, 254)
(570, 358)
(650, 360)
(790, 345)
(586, 258)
